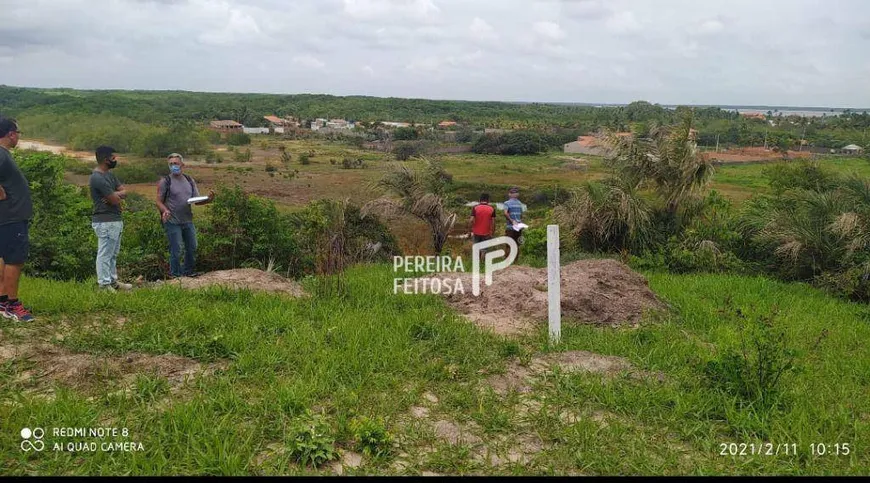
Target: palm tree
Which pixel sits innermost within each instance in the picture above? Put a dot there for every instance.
(668, 159)
(607, 215)
(420, 194)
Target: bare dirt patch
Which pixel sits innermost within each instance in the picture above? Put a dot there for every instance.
(753, 154)
(520, 378)
(602, 292)
(456, 434)
(51, 363)
(244, 278)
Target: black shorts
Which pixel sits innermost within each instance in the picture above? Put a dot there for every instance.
(512, 233)
(480, 238)
(15, 242)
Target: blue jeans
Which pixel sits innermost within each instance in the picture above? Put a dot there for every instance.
(108, 246)
(181, 234)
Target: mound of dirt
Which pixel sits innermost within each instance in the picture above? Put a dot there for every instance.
(604, 292)
(243, 278)
(54, 363)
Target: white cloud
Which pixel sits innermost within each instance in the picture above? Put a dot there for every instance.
(584, 9)
(710, 27)
(309, 61)
(548, 31)
(455, 49)
(388, 10)
(426, 64)
(239, 26)
(482, 31)
(623, 22)
(465, 59)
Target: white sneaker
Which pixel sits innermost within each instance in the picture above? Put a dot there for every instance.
(122, 286)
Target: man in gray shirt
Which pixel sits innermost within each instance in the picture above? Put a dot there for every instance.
(16, 210)
(173, 191)
(107, 193)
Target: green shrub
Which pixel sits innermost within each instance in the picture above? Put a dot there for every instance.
(371, 436)
(805, 175)
(76, 166)
(511, 143)
(310, 441)
(351, 163)
(154, 141)
(710, 240)
(535, 240)
(271, 168)
(244, 230)
(212, 156)
(407, 150)
(142, 171)
(361, 239)
(238, 139)
(405, 134)
(62, 243)
(464, 136)
(213, 137)
(144, 247)
(242, 156)
(755, 371)
(304, 159)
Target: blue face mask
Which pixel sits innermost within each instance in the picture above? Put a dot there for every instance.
(174, 168)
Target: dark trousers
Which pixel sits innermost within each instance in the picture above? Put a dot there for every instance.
(178, 235)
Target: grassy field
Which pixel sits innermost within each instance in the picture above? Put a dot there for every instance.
(740, 181)
(293, 184)
(409, 366)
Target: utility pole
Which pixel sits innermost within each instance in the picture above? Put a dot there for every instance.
(717, 143)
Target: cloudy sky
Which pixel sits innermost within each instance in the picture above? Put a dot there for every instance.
(768, 52)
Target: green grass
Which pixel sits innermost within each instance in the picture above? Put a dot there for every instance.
(372, 354)
(740, 181)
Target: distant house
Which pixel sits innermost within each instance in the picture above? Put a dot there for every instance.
(274, 120)
(446, 124)
(226, 126)
(852, 149)
(318, 123)
(339, 124)
(591, 145)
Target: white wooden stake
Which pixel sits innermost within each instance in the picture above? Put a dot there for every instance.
(554, 285)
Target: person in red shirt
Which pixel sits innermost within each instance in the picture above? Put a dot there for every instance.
(482, 221)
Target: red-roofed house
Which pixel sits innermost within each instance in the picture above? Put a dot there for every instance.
(226, 126)
(446, 124)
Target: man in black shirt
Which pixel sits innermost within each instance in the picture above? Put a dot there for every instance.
(16, 210)
(107, 193)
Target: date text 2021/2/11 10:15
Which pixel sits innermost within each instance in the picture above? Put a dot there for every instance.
(772, 449)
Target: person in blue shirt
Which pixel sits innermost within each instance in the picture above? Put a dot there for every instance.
(513, 212)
